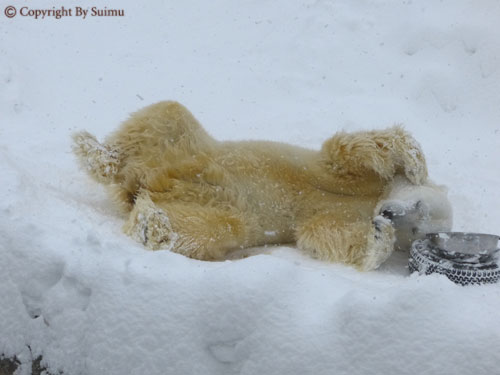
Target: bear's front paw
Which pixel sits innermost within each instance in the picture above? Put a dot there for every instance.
(412, 160)
(380, 244)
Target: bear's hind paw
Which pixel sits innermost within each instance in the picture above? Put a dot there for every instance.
(99, 160)
(151, 227)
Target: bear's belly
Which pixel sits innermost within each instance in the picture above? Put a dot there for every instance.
(279, 206)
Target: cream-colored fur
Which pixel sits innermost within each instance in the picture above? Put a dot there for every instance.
(191, 194)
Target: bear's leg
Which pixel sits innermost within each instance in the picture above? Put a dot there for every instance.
(160, 132)
(363, 244)
(152, 132)
(158, 136)
(385, 152)
(200, 232)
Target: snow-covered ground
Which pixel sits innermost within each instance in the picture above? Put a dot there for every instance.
(79, 292)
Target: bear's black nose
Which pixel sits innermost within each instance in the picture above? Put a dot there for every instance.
(388, 214)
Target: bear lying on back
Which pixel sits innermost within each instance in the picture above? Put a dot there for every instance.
(353, 201)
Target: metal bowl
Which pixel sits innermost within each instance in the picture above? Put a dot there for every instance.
(465, 243)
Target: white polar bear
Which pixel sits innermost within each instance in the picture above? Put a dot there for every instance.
(354, 201)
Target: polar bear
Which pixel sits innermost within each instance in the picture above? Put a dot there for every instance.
(354, 201)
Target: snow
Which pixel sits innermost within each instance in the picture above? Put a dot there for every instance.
(89, 299)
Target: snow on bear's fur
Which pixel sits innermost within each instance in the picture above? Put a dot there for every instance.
(354, 201)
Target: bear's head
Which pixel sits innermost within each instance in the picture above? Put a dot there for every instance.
(415, 210)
